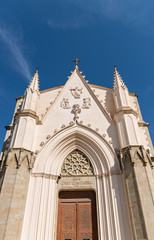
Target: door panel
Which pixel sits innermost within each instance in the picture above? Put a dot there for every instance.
(67, 221)
(84, 219)
(77, 216)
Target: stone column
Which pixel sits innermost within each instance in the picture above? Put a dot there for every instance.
(137, 168)
(14, 180)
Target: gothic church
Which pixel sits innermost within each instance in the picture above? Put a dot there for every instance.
(77, 164)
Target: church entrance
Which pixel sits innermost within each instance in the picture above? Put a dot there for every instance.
(77, 218)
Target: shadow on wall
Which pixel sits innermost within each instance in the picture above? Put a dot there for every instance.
(109, 103)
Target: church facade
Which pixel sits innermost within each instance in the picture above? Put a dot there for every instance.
(77, 164)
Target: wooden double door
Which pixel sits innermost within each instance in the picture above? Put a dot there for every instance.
(77, 218)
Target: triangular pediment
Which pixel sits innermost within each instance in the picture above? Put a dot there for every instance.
(77, 99)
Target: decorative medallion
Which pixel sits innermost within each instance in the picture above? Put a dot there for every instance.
(86, 103)
(76, 163)
(76, 92)
(65, 103)
(76, 110)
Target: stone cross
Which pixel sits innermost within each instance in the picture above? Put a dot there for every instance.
(76, 61)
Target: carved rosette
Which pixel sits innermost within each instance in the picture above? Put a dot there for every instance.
(76, 163)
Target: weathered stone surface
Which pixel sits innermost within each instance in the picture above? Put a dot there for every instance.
(138, 169)
(13, 194)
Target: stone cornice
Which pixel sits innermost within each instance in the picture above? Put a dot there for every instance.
(133, 94)
(19, 98)
(9, 127)
(27, 113)
(125, 110)
(19, 149)
(143, 124)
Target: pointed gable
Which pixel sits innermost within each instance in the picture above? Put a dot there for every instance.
(77, 93)
(76, 101)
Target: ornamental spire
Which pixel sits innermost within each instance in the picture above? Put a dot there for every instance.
(34, 85)
(118, 82)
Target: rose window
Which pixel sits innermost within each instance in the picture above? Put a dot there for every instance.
(76, 163)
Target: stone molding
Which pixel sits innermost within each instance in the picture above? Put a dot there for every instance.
(27, 113)
(55, 177)
(45, 175)
(108, 174)
(125, 110)
(65, 127)
(143, 124)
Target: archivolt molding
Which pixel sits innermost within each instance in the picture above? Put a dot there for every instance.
(101, 155)
(64, 127)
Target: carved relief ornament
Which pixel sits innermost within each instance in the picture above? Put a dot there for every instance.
(65, 103)
(76, 92)
(86, 103)
(76, 110)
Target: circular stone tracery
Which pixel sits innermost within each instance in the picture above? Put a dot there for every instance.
(76, 163)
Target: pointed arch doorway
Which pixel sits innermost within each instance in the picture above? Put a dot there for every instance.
(103, 176)
(77, 218)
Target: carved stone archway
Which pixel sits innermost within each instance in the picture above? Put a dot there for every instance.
(106, 179)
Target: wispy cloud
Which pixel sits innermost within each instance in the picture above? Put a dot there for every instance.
(15, 48)
(133, 12)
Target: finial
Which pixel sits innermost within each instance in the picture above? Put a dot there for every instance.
(118, 82)
(115, 66)
(76, 61)
(34, 84)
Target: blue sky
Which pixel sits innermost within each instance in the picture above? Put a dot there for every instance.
(49, 34)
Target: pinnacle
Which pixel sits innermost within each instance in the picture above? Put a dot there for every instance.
(34, 85)
(118, 82)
